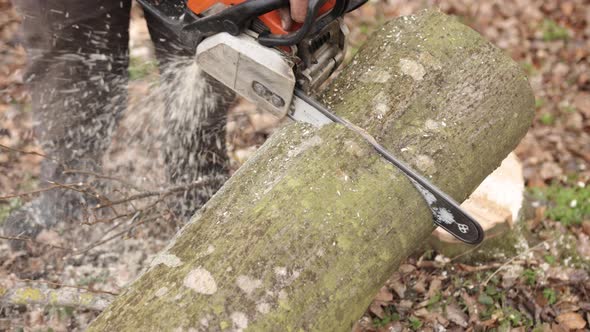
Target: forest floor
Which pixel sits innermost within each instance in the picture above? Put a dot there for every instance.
(545, 287)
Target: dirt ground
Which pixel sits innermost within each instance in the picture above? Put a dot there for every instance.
(545, 287)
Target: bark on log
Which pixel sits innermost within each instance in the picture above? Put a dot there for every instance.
(307, 231)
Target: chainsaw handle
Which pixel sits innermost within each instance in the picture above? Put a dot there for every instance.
(151, 8)
(354, 4)
(313, 6)
(191, 29)
(235, 18)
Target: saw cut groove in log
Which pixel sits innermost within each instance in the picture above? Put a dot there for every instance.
(302, 237)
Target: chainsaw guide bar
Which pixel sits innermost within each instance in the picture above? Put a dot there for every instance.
(446, 212)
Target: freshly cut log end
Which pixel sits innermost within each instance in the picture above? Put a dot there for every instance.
(308, 230)
(496, 204)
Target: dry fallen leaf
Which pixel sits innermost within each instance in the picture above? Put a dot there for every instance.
(383, 298)
(456, 315)
(404, 306)
(583, 245)
(510, 275)
(471, 304)
(571, 320)
(435, 286)
(420, 285)
(399, 287)
(376, 309)
(49, 237)
(384, 295)
(582, 103)
(550, 170)
(546, 327)
(558, 328)
(407, 268)
(391, 327)
(584, 306)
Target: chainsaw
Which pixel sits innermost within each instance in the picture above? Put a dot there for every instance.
(242, 44)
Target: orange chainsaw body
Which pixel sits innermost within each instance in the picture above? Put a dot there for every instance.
(271, 19)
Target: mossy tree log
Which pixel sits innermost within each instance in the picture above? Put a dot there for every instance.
(307, 231)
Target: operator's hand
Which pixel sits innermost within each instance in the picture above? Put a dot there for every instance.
(296, 13)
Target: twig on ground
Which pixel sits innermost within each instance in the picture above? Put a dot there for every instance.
(165, 192)
(75, 252)
(466, 252)
(508, 262)
(466, 269)
(27, 193)
(57, 284)
(67, 296)
(27, 239)
(126, 230)
(34, 153)
(137, 215)
(133, 217)
(104, 177)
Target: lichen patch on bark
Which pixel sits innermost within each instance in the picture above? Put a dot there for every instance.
(201, 281)
(376, 76)
(280, 271)
(161, 292)
(425, 164)
(239, 320)
(248, 285)
(356, 150)
(167, 259)
(381, 104)
(25, 295)
(432, 125)
(310, 142)
(263, 307)
(412, 69)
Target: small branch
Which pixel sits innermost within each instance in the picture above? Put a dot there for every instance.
(466, 252)
(26, 239)
(66, 297)
(89, 247)
(34, 153)
(103, 177)
(165, 192)
(54, 185)
(133, 215)
(70, 186)
(467, 269)
(508, 262)
(57, 284)
(27, 193)
(116, 235)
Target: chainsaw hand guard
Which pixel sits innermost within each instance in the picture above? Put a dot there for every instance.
(311, 24)
(192, 26)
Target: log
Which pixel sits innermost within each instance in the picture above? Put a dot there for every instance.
(306, 232)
